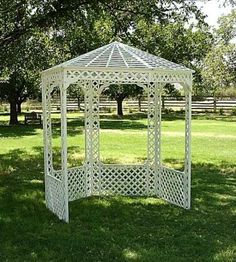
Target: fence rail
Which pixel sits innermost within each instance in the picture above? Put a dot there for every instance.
(175, 103)
(203, 104)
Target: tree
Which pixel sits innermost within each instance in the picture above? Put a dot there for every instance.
(120, 92)
(177, 43)
(16, 90)
(22, 64)
(219, 67)
(217, 71)
(19, 18)
(76, 92)
(170, 90)
(227, 28)
(229, 2)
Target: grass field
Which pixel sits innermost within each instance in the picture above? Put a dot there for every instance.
(121, 228)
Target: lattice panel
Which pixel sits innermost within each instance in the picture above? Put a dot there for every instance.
(124, 180)
(55, 195)
(116, 76)
(172, 186)
(47, 130)
(151, 124)
(77, 183)
(154, 123)
(130, 180)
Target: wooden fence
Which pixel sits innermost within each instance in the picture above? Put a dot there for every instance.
(203, 104)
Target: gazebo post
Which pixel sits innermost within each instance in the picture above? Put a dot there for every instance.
(47, 135)
(92, 144)
(187, 166)
(63, 92)
(158, 105)
(154, 132)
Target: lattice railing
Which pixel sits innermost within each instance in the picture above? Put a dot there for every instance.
(172, 186)
(132, 180)
(54, 191)
(77, 183)
(124, 180)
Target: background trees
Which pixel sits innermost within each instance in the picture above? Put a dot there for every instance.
(219, 66)
(35, 35)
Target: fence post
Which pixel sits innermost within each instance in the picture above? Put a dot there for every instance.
(140, 103)
(163, 102)
(214, 104)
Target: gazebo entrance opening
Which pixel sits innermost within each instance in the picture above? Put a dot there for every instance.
(125, 149)
(115, 63)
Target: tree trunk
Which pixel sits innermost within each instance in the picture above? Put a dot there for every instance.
(13, 113)
(19, 107)
(119, 107)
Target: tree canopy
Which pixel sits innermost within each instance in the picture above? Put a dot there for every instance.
(219, 66)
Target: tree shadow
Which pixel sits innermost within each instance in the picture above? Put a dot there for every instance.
(18, 130)
(115, 228)
(76, 125)
(132, 116)
(122, 124)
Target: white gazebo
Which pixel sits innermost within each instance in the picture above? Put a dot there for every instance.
(115, 63)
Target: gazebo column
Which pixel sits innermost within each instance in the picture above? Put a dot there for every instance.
(92, 144)
(56, 191)
(63, 96)
(47, 134)
(187, 167)
(154, 137)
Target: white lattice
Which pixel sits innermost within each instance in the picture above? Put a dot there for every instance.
(55, 194)
(124, 180)
(132, 180)
(77, 183)
(114, 64)
(171, 186)
(187, 166)
(127, 76)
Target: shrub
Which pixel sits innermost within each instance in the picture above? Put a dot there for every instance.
(168, 110)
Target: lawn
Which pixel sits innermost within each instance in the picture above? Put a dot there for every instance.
(120, 228)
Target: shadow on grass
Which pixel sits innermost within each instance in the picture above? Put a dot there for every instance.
(18, 131)
(115, 228)
(76, 125)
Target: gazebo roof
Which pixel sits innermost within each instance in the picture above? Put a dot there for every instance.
(118, 55)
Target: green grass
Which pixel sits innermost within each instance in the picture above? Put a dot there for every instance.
(120, 228)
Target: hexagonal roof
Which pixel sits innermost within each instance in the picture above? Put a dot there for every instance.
(121, 56)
